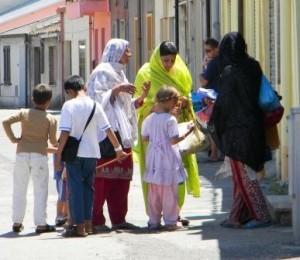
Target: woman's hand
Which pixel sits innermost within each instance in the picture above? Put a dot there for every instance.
(140, 100)
(123, 87)
(146, 88)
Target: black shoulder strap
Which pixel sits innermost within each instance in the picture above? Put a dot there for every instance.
(89, 119)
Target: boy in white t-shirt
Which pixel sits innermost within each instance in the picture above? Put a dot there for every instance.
(74, 115)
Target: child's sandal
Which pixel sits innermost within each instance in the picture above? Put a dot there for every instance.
(17, 228)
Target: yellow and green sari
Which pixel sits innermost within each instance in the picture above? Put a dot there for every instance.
(180, 78)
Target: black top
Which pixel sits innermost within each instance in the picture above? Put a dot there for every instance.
(236, 123)
(211, 74)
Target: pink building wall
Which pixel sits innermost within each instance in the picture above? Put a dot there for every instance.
(31, 17)
(102, 23)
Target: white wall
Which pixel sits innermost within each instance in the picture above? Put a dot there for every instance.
(14, 94)
(77, 30)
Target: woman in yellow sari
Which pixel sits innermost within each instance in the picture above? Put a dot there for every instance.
(167, 68)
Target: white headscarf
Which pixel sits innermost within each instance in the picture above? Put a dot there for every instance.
(105, 76)
(114, 50)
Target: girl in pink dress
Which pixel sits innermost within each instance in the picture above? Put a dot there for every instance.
(164, 168)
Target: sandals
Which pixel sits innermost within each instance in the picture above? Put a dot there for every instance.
(184, 222)
(227, 224)
(73, 233)
(44, 229)
(257, 224)
(171, 227)
(17, 228)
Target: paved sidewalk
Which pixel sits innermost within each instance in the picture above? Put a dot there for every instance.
(204, 239)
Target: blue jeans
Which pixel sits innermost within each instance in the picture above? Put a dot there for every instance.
(80, 184)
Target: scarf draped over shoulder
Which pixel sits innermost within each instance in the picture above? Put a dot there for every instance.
(109, 73)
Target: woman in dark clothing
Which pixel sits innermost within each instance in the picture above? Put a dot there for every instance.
(237, 127)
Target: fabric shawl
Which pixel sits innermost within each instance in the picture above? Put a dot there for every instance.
(236, 123)
(105, 76)
(179, 77)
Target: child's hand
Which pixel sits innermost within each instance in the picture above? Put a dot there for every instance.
(16, 140)
(121, 155)
(64, 174)
(57, 164)
(51, 149)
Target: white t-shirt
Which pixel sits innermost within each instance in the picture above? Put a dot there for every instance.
(74, 115)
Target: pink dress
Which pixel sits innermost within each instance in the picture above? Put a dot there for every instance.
(163, 161)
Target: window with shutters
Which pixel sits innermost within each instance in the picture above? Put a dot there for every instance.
(82, 59)
(150, 34)
(7, 65)
(122, 34)
(52, 65)
(37, 65)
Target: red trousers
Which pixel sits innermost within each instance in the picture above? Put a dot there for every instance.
(115, 193)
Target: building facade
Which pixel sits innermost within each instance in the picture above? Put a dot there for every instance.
(47, 41)
(272, 32)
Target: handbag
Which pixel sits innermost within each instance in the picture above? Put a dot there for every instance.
(194, 142)
(272, 118)
(268, 98)
(70, 150)
(106, 148)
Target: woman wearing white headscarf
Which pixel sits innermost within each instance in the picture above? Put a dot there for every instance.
(109, 86)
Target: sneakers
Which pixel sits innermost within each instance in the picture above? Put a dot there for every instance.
(17, 228)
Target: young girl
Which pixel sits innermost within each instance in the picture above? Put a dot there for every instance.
(164, 168)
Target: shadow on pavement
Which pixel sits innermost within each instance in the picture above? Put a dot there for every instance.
(16, 235)
(264, 243)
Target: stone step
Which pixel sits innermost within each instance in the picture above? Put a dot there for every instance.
(280, 207)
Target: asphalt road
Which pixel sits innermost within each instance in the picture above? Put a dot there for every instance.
(203, 239)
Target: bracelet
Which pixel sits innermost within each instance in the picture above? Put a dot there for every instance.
(118, 149)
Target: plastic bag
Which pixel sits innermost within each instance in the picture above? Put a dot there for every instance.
(268, 98)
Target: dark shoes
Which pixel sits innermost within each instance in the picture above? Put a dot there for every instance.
(44, 229)
(125, 226)
(184, 222)
(17, 228)
(59, 222)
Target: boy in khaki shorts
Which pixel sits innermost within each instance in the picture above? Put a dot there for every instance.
(31, 159)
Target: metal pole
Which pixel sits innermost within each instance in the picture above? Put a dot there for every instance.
(177, 23)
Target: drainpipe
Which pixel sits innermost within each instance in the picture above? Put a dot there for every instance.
(140, 31)
(61, 12)
(91, 30)
(26, 68)
(177, 23)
